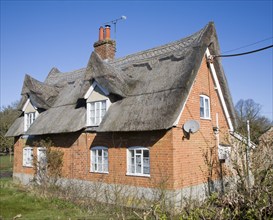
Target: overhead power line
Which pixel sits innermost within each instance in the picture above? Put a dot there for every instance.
(248, 45)
(240, 54)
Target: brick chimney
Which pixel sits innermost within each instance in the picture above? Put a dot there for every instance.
(105, 47)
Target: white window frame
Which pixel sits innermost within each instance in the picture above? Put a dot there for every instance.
(97, 115)
(29, 118)
(28, 156)
(40, 154)
(206, 108)
(94, 165)
(129, 161)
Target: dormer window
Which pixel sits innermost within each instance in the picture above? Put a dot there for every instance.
(97, 104)
(30, 114)
(30, 118)
(97, 112)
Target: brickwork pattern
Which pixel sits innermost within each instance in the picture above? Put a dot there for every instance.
(176, 161)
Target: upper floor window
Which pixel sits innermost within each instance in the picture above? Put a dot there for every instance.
(138, 161)
(27, 156)
(97, 104)
(96, 111)
(30, 118)
(99, 159)
(204, 107)
(30, 114)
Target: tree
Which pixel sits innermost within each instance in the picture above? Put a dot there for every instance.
(7, 117)
(250, 110)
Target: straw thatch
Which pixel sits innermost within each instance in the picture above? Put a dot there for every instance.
(150, 87)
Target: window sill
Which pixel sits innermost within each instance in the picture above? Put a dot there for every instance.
(138, 175)
(27, 166)
(209, 119)
(99, 172)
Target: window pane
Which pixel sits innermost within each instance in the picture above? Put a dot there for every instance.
(42, 157)
(103, 105)
(31, 157)
(93, 167)
(146, 170)
(207, 107)
(146, 162)
(145, 153)
(105, 153)
(146, 165)
(201, 101)
(103, 109)
(138, 164)
(131, 165)
(92, 113)
(97, 106)
(99, 167)
(105, 167)
(202, 107)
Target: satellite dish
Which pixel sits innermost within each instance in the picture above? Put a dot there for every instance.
(191, 126)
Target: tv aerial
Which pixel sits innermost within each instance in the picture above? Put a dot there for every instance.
(114, 22)
(190, 126)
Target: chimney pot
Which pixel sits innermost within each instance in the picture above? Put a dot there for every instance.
(107, 32)
(101, 30)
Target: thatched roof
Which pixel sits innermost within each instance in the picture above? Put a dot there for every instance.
(151, 87)
(17, 128)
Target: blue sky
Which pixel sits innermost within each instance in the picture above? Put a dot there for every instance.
(39, 35)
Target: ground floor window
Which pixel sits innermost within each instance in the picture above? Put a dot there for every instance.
(41, 157)
(28, 157)
(99, 159)
(138, 161)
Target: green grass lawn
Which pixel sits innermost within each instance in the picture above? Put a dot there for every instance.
(17, 201)
(6, 163)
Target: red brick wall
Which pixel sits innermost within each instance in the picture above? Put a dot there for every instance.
(159, 143)
(190, 167)
(77, 156)
(173, 160)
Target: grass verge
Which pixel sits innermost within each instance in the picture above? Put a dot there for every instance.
(6, 163)
(16, 201)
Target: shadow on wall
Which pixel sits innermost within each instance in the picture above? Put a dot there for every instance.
(58, 140)
(128, 139)
(110, 139)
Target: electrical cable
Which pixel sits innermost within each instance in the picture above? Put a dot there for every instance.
(240, 54)
(247, 45)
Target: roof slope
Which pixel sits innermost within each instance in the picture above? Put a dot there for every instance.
(151, 87)
(154, 83)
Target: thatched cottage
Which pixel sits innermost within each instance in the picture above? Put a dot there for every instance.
(135, 121)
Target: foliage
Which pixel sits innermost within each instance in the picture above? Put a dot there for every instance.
(7, 117)
(243, 201)
(250, 110)
(48, 171)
